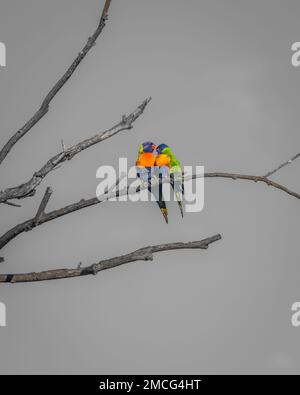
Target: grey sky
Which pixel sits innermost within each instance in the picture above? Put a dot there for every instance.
(225, 96)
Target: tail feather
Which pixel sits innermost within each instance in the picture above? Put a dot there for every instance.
(178, 188)
(179, 203)
(164, 212)
(162, 205)
(146, 177)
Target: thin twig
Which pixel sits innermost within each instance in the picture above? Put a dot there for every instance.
(105, 9)
(12, 204)
(115, 185)
(143, 254)
(57, 87)
(42, 207)
(288, 162)
(28, 188)
(84, 203)
(247, 177)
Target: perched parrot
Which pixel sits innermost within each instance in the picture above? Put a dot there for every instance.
(167, 161)
(145, 166)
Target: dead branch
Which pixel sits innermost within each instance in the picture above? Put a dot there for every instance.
(29, 187)
(247, 177)
(288, 162)
(42, 207)
(84, 203)
(12, 204)
(143, 254)
(42, 111)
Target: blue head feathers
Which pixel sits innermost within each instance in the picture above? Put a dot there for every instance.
(148, 146)
(161, 147)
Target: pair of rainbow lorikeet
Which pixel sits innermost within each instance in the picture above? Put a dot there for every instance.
(162, 165)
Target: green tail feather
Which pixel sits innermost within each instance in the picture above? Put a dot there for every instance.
(179, 203)
(162, 205)
(164, 212)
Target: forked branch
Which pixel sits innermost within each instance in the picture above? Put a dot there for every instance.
(43, 205)
(288, 162)
(84, 203)
(44, 108)
(29, 188)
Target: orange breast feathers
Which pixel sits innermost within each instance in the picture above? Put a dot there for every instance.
(147, 159)
(162, 160)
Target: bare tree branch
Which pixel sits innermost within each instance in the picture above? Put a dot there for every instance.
(57, 87)
(143, 254)
(84, 203)
(28, 188)
(42, 207)
(105, 9)
(12, 204)
(288, 162)
(247, 177)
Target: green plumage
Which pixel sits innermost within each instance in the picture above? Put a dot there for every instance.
(176, 176)
(175, 166)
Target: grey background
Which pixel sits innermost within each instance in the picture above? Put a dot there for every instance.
(226, 96)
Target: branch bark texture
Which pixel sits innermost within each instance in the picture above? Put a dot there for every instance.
(84, 203)
(29, 188)
(44, 108)
(143, 254)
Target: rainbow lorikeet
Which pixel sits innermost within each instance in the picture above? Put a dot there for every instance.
(145, 171)
(167, 161)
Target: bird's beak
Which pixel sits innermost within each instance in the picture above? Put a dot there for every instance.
(154, 146)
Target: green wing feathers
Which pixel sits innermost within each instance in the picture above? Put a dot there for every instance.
(175, 166)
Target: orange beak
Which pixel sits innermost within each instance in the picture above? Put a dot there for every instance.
(154, 146)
